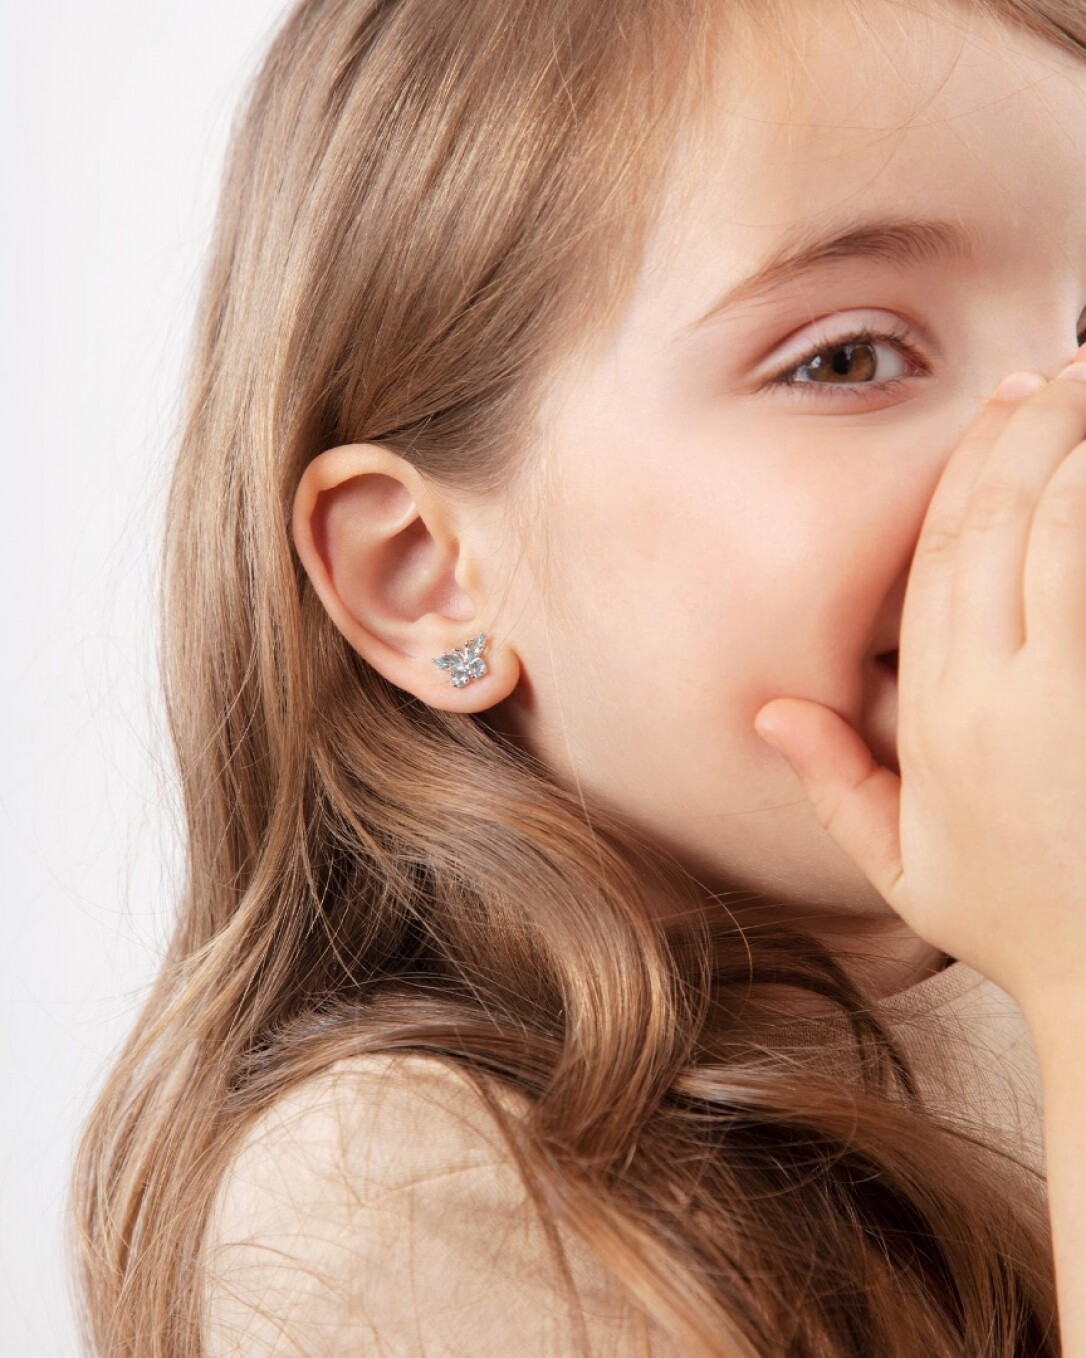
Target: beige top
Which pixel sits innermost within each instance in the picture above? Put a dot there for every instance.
(376, 1211)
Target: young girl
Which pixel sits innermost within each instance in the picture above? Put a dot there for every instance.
(582, 390)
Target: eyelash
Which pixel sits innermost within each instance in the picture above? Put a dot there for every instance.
(864, 335)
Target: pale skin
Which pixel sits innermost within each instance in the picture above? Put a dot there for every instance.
(771, 541)
(979, 843)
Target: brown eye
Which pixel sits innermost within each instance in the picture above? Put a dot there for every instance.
(855, 362)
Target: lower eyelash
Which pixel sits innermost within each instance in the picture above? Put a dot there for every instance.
(862, 336)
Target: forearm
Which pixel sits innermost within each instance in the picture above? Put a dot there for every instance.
(1061, 1052)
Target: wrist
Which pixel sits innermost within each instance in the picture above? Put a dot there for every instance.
(1057, 1024)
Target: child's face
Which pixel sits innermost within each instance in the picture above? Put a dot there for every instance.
(717, 541)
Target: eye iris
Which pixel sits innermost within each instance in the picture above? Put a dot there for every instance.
(842, 364)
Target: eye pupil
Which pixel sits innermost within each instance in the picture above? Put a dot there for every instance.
(843, 362)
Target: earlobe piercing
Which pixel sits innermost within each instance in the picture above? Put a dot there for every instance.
(465, 661)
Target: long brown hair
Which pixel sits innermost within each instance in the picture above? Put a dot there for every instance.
(428, 204)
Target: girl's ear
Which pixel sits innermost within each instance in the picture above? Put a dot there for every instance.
(389, 557)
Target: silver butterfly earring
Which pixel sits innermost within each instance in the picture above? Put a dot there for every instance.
(465, 661)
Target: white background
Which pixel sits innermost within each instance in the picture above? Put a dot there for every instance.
(114, 117)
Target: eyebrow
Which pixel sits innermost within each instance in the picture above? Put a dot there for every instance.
(890, 241)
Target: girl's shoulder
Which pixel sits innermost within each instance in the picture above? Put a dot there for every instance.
(377, 1119)
(361, 1194)
(378, 1209)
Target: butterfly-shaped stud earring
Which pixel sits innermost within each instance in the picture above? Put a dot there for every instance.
(465, 661)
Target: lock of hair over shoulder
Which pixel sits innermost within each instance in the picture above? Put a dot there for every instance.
(429, 208)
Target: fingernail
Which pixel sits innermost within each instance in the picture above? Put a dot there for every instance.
(1019, 384)
(1075, 371)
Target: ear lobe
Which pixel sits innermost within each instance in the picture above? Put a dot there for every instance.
(383, 551)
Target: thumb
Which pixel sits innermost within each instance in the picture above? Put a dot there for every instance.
(857, 799)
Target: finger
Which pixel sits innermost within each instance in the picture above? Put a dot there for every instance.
(857, 800)
(927, 617)
(989, 599)
(1054, 585)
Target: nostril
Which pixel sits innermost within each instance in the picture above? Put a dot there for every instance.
(889, 659)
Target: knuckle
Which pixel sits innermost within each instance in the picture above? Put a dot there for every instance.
(995, 504)
(832, 814)
(1063, 509)
(940, 540)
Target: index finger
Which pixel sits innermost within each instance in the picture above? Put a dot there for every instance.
(927, 611)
